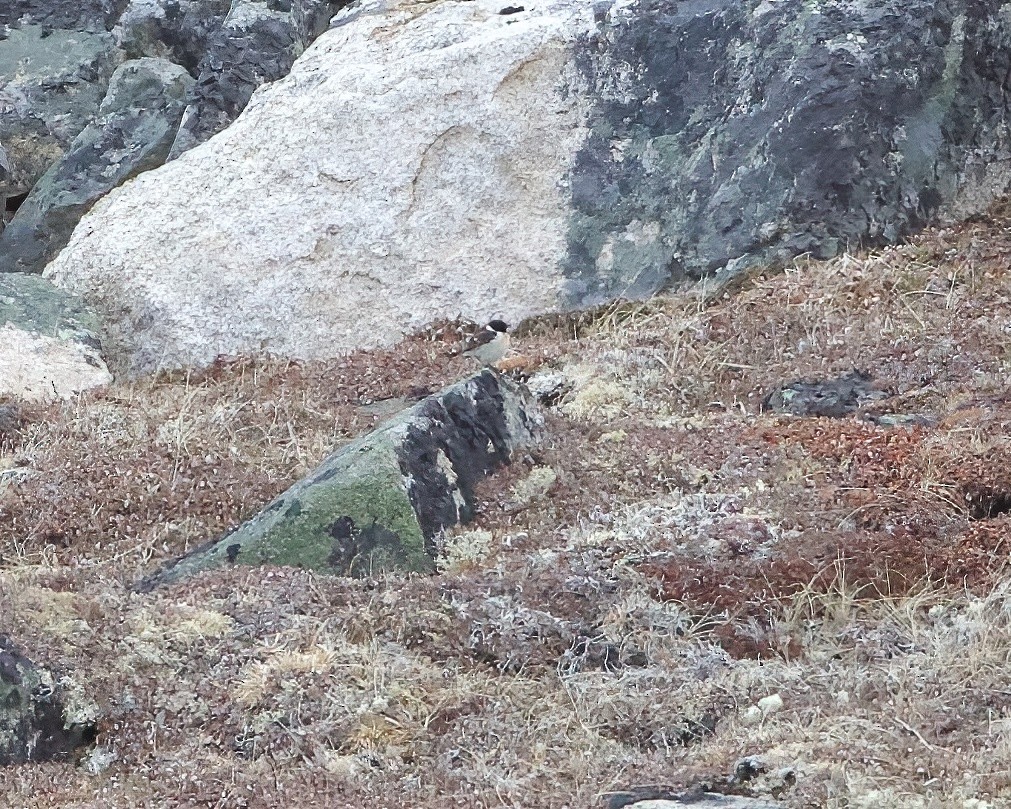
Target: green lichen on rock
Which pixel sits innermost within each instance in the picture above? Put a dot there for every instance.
(326, 521)
(32, 303)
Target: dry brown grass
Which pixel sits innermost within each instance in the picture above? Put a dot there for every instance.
(673, 580)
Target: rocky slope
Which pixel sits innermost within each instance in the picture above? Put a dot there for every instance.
(685, 589)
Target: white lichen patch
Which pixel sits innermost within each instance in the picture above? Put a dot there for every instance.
(465, 550)
(78, 707)
(534, 486)
(594, 394)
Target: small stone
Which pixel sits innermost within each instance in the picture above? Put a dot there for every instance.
(612, 437)
(99, 760)
(752, 715)
(831, 398)
(770, 704)
(549, 386)
(747, 768)
(10, 419)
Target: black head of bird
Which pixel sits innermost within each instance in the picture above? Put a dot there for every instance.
(490, 344)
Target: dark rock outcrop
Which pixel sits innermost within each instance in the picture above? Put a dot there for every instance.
(257, 43)
(73, 15)
(728, 134)
(133, 131)
(56, 62)
(831, 398)
(379, 503)
(52, 82)
(34, 722)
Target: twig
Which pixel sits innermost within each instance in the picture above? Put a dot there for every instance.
(915, 732)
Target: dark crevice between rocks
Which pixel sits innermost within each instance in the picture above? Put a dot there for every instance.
(12, 204)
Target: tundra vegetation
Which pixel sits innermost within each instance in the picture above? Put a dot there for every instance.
(676, 579)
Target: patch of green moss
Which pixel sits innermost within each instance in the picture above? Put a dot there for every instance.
(376, 498)
(308, 526)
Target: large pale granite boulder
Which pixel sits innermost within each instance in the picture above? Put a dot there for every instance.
(486, 158)
(380, 503)
(48, 341)
(416, 170)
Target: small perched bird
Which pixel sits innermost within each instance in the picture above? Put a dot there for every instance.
(490, 344)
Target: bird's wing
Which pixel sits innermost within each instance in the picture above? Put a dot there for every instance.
(482, 338)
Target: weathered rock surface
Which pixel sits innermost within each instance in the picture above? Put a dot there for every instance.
(707, 800)
(34, 722)
(57, 59)
(476, 159)
(78, 15)
(730, 134)
(832, 398)
(51, 84)
(660, 798)
(379, 503)
(135, 127)
(48, 343)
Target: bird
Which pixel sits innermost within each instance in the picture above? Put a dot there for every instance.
(490, 344)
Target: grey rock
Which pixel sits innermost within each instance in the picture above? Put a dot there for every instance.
(761, 778)
(708, 800)
(379, 503)
(832, 398)
(549, 387)
(51, 84)
(257, 43)
(79, 15)
(730, 134)
(659, 797)
(5, 165)
(32, 303)
(177, 30)
(34, 722)
(10, 420)
(134, 128)
(49, 344)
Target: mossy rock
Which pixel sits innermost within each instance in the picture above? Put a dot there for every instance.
(377, 504)
(32, 303)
